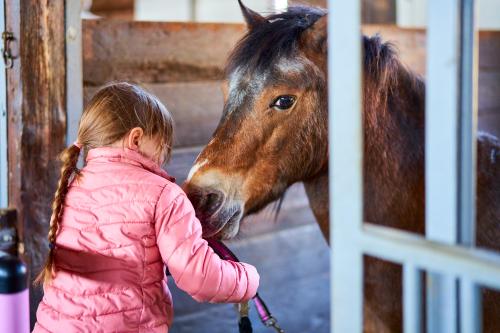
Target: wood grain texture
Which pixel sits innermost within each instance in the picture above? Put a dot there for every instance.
(14, 113)
(490, 123)
(37, 121)
(155, 51)
(489, 90)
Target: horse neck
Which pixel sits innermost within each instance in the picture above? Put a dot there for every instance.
(394, 149)
(393, 155)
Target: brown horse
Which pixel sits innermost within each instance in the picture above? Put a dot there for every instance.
(273, 133)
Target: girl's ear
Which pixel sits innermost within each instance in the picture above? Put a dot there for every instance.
(134, 138)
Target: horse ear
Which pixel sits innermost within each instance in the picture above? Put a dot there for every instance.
(252, 18)
(315, 37)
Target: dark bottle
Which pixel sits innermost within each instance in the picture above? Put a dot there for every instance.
(14, 295)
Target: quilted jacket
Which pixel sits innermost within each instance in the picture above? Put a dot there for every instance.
(124, 219)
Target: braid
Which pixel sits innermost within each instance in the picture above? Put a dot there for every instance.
(69, 158)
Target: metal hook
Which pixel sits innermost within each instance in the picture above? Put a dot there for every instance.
(273, 323)
(8, 59)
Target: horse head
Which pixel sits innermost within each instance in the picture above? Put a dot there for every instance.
(273, 130)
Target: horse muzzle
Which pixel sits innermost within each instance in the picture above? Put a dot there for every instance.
(219, 215)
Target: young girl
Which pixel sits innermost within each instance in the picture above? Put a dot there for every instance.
(119, 220)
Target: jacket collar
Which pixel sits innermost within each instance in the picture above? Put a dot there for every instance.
(125, 155)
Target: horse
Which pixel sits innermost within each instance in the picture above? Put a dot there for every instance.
(273, 133)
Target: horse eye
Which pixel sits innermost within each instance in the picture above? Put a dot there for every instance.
(283, 102)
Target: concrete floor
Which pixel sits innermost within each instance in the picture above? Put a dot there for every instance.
(294, 268)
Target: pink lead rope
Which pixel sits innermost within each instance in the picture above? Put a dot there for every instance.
(264, 314)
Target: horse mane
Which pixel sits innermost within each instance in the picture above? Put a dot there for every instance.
(381, 63)
(268, 42)
(383, 70)
(264, 44)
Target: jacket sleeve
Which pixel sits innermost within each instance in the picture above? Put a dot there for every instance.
(195, 267)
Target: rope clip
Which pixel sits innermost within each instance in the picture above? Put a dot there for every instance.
(273, 323)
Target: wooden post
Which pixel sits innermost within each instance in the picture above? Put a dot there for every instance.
(37, 120)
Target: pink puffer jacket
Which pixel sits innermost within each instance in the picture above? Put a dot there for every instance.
(122, 222)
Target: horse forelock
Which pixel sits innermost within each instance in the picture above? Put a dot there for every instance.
(265, 44)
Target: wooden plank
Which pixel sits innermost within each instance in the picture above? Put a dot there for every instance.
(489, 89)
(37, 121)
(490, 123)
(378, 12)
(14, 121)
(110, 6)
(155, 51)
(116, 9)
(489, 50)
(195, 106)
(315, 3)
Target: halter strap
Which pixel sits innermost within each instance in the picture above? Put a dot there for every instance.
(263, 311)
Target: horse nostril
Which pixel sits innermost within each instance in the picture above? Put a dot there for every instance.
(206, 201)
(195, 197)
(213, 200)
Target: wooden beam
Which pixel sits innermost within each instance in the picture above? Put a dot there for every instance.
(37, 120)
(152, 52)
(378, 12)
(116, 9)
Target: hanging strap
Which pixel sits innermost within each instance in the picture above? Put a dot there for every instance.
(262, 310)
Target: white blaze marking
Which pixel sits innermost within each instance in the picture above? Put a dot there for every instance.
(195, 168)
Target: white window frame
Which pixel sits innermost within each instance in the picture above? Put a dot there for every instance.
(454, 266)
(74, 69)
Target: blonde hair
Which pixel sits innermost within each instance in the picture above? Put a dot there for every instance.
(113, 111)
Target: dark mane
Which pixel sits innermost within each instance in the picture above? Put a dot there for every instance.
(277, 38)
(380, 59)
(384, 72)
(264, 44)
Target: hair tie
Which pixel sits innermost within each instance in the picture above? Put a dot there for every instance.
(52, 245)
(77, 145)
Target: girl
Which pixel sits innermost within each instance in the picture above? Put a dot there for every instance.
(119, 220)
